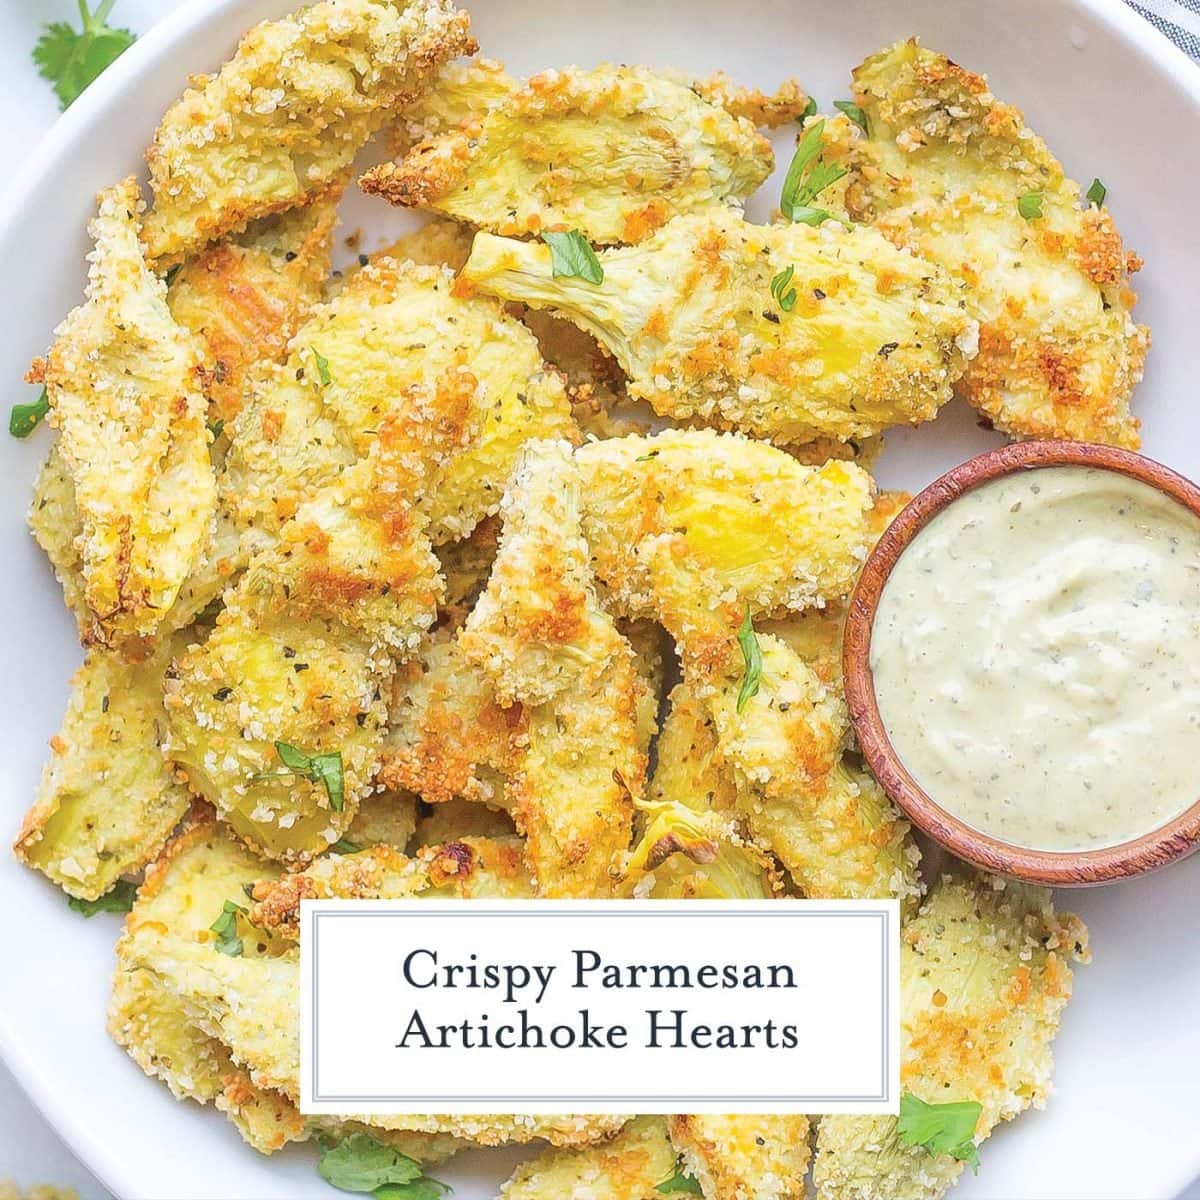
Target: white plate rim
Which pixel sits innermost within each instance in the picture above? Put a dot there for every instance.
(49, 159)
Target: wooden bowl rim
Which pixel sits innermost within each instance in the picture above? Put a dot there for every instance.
(1076, 868)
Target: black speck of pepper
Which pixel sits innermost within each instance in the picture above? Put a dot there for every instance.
(298, 667)
(104, 705)
(885, 351)
(288, 652)
(361, 719)
(820, 295)
(290, 256)
(772, 317)
(363, 260)
(223, 694)
(760, 1141)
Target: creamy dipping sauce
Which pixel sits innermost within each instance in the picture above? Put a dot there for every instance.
(1036, 658)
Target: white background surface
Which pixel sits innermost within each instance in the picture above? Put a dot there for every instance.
(1139, 1002)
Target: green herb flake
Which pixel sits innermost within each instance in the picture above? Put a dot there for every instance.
(71, 59)
(1030, 205)
(572, 255)
(322, 367)
(326, 769)
(216, 427)
(780, 289)
(361, 1164)
(679, 1184)
(25, 418)
(344, 846)
(810, 110)
(752, 657)
(807, 177)
(420, 1189)
(855, 113)
(119, 900)
(1097, 193)
(225, 927)
(941, 1128)
(172, 272)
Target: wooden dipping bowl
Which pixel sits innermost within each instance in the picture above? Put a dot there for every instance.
(1158, 848)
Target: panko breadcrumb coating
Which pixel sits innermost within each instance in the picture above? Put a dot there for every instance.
(284, 118)
(875, 336)
(124, 385)
(941, 171)
(614, 152)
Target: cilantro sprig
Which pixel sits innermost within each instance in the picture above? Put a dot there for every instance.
(25, 418)
(807, 177)
(325, 769)
(941, 1128)
(679, 1183)
(361, 1164)
(118, 900)
(854, 112)
(572, 254)
(752, 660)
(225, 927)
(1030, 205)
(781, 289)
(70, 59)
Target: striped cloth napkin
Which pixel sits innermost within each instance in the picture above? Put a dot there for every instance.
(1178, 19)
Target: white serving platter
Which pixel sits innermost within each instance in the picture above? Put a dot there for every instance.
(1111, 97)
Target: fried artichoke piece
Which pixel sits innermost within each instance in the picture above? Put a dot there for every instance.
(941, 172)
(826, 820)
(875, 336)
(249, 1003)
(629, 1167)
(123, 381)
(538, 630)
(463, 91)
(167, 941)
(787, 103)
(690, 526)
(614, 152)
(472, 868)
(761, 1157)
(244, 297)
(983, 983)
(691, 843)
(398, 343)
(107, 801)
(542, 638)
(283, 119)
(448, 737)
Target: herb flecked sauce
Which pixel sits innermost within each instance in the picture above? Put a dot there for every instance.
(1036, 658)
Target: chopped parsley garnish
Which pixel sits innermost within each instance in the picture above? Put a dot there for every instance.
(810, 109)
(316, 768)
(71, 59)
(344, 846)
(679, 1183)
(361, 1164)
(782, 291)
(941, 1128)
(216, 428)
(807, 177)
(752, 657)
(119, 900)
(25, 418)
(1097, 193)
(1030, 205)
(322, 367)
(225, 927)
(855, 113)
(571, 254)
